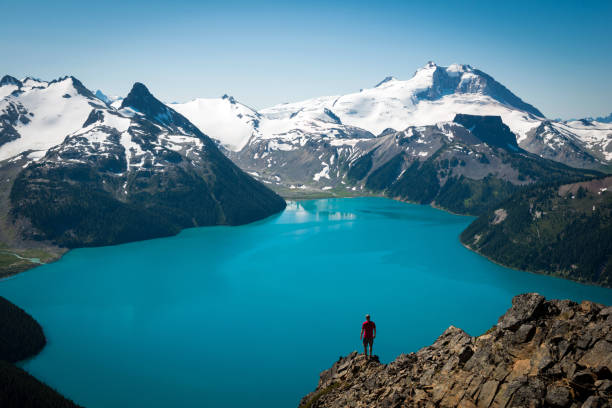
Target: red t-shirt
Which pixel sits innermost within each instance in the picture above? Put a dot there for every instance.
(368, 329)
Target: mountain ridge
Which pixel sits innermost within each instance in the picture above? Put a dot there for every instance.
(433, 95)
(106, 176)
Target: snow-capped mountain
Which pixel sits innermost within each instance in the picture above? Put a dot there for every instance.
(433, 95)
(36, 115)
(313, 144)
(604, 119)
(575, 143)
(224, 119)
(78, 172)
(601, 119)
(457, 164)
(114, 101)
(596, 136)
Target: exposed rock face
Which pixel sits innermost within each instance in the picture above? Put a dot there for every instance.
(540, 354)
(552, 141)
(489, 129)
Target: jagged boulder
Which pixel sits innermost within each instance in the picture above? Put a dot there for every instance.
(541, 353)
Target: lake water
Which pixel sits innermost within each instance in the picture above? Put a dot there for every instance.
(249, 316)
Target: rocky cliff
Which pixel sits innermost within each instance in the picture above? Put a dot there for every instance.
(541, 353)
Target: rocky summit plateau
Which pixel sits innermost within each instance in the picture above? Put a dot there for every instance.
(541, 353)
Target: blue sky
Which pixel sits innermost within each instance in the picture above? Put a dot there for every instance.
(555, 55)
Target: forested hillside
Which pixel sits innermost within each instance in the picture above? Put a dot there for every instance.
(561, 230)
(22, 337)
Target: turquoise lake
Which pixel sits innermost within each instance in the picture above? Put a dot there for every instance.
(250, 315)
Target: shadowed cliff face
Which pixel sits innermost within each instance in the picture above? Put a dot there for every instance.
(540, 354)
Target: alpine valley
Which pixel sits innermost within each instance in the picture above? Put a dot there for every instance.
(85, 169)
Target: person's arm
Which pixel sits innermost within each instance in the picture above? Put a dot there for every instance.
(361, 335)
(374, 330)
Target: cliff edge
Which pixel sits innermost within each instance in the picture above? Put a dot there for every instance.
(541, 353)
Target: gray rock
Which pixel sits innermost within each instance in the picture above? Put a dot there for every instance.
(558, 396)
(595, 402)
(524, 333)
(523, 309)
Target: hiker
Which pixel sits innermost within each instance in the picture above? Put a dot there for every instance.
(368, 333)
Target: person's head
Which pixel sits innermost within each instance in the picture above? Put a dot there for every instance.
(368, 317)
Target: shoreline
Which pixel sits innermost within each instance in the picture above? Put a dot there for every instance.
(541, 273)
(324, 196)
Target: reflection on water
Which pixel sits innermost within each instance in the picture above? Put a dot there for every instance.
(320, 210)
(250, 315)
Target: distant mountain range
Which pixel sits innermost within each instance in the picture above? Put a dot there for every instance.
(604, 119)
(433, 95)
(83, 168)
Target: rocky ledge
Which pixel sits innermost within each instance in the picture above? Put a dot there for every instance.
(541, 353)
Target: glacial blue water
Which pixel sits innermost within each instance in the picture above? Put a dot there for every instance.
(249, 316)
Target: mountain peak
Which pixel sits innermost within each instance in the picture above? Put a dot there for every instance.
(458, 69)
(109, 100)
(230, 98)
(139, 89)
(140, 99)
(9, 80)
(102, 96)
(81, 89)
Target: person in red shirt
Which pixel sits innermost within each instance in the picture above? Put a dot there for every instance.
(368, 333)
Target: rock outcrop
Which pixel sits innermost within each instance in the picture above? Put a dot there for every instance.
(541, 353)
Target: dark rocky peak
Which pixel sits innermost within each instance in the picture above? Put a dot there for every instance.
(442, 83)
(139, 98)
(96, 115)
(230, 98)
(81, 89)
(9, 80)
(386, 132)
(490, 130)
(142, 101)
(332, 116)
